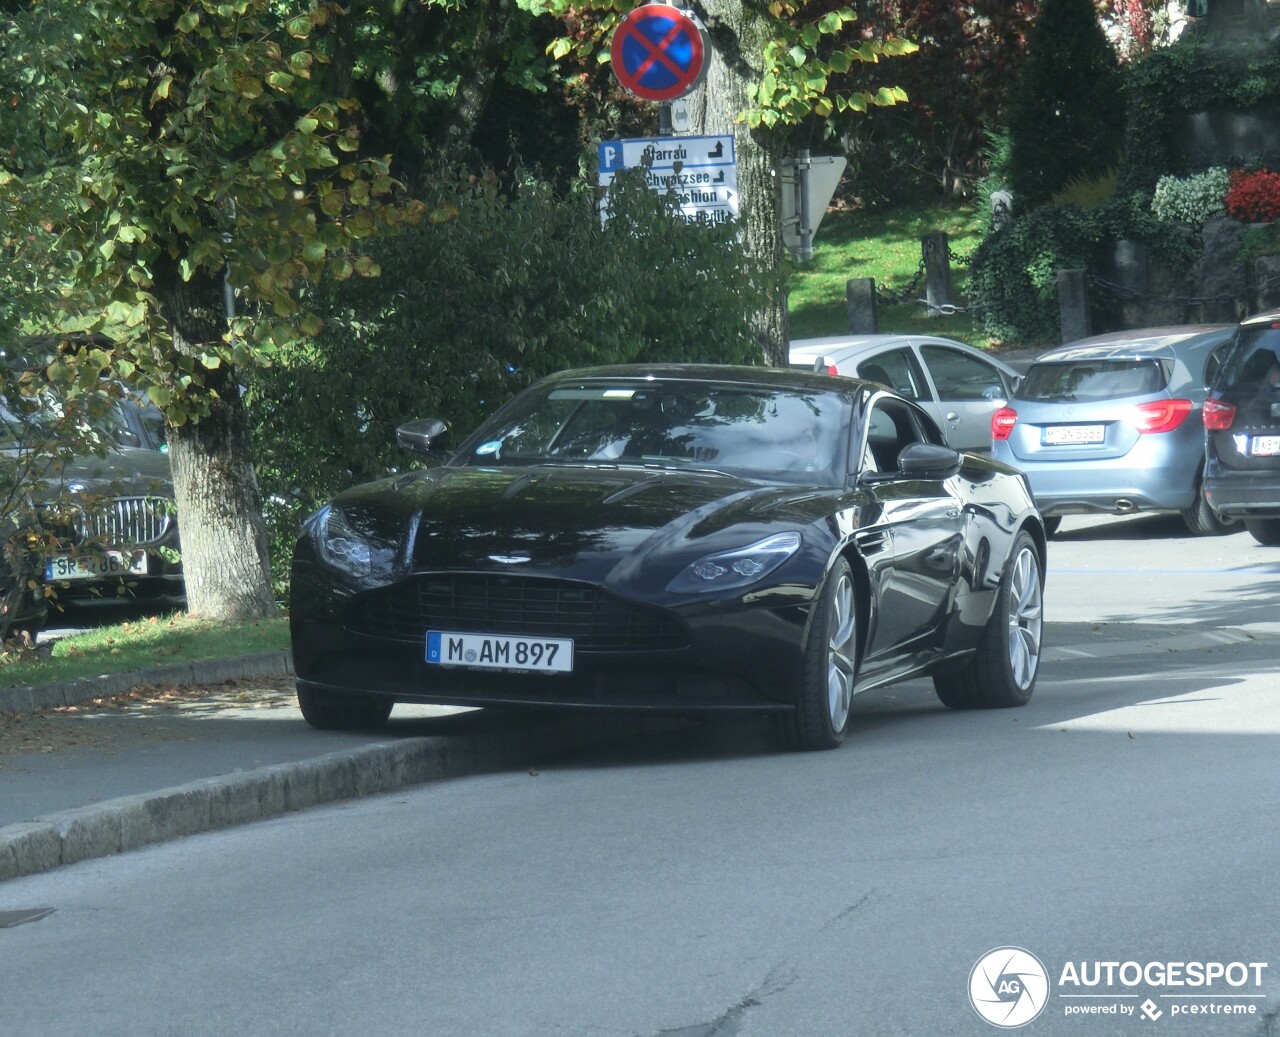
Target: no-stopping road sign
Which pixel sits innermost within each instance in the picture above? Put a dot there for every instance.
(658, 53)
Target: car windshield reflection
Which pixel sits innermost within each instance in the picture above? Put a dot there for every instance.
(753, 431)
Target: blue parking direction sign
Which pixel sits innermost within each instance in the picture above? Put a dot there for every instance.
(700, 171)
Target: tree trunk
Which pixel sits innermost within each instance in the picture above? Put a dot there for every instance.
(737, 34)
(225, 563)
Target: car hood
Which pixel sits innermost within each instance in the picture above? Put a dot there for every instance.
(587, 522)
(124, 471)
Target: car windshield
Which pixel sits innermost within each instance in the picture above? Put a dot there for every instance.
(1090, 380)
(766, 432)
(1254, 361)
(45, 421)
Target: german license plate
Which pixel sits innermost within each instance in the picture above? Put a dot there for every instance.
(500, 652)
(96, 566)
(1265, 446)
(1061, 435)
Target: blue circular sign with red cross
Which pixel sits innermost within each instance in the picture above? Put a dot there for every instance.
(658, 53)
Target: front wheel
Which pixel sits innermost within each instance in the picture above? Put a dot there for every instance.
(328, 711)
(1002, 672)
(830, 664)
(1264, 531)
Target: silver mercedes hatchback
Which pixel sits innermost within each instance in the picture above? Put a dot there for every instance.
(1113, 424)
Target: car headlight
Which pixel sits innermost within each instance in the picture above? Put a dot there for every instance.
(346, 548)
(726, 570)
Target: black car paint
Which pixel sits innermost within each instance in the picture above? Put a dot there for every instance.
(922, 548)
(1238, 484)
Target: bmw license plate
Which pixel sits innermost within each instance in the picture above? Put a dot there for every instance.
(92, 567)
(500, 652)
(1061, 435)
(1265, 446)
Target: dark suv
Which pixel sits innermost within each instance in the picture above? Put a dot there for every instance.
(1242, 430)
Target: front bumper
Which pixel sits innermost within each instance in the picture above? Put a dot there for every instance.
(733, 657)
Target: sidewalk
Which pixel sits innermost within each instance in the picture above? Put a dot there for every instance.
(203, 746)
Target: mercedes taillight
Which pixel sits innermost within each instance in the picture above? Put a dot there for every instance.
(1161, 415)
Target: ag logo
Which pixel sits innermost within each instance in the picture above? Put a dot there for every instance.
(1008, 987)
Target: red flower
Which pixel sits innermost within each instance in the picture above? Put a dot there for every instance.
(1253, 197)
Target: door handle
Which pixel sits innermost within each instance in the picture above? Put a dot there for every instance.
(952, 416)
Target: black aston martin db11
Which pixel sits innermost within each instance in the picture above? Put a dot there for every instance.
(681, 538)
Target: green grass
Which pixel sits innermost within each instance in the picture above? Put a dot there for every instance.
(884, 246)
(139, 644)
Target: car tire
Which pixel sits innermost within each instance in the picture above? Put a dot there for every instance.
(1051, 526)
(329, 712)
(830, 665)
(1203, 521)
(1264, 531)
(1002, 672)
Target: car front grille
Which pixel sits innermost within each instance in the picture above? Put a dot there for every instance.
(596, 620)
(121, 522)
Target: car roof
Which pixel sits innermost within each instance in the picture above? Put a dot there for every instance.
(740, 373)
(1139, 343)
(847, 347)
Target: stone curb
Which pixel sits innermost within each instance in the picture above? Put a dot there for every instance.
(83, 689)
(131, 822)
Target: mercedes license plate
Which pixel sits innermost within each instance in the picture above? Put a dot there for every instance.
(1061, 435)
(1265, 446)
(500, 652)
(96, 566)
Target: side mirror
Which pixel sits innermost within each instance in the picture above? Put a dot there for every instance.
(419, 437)
(928, 461)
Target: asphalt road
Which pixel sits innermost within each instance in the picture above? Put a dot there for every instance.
(696, 882)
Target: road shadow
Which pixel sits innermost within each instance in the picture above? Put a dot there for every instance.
(1081, 529)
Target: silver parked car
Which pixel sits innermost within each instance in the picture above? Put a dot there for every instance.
(961, 387)
(1114, 424)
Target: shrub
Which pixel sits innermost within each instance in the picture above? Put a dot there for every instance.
(1089, 192)
(1065, 109)
(517, 283)
(1193, 199)
(1013, 275)
(1254, 197)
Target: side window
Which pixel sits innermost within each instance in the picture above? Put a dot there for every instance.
(898, 370)
(959, 376)
(891, 426)
(1214, 363)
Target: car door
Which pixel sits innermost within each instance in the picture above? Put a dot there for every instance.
(916, 526)
(968, 390)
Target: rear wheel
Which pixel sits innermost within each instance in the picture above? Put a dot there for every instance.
(1002, 672)
(330, 712)
(830, 664)
(1264, 531)
(1203, 521)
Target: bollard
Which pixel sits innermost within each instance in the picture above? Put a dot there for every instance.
(1073, 305)
(937, 271)
(860, 306)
